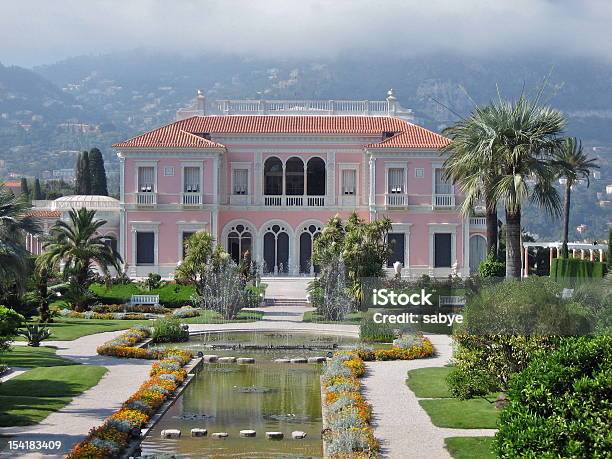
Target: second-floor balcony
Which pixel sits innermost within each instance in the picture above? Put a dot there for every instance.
(478, 222)
(396, 200)
(146, 199)
(443, 200)
(191, 199)
(294, 201)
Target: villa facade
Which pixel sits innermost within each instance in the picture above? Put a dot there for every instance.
(265, 178)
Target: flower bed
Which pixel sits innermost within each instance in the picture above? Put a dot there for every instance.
(114, 435)
(104, 315)
(348, 416)
(403, 349)
(123, 345)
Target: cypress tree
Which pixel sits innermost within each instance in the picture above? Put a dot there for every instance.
(97, 173)
(82, 175)
(37, 191)
(25, 190)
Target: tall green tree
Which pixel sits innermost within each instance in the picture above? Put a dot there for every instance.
(83, 174)
(475, 174)
(15, 223)
(78, 246)
(97, 173)
(573, 165)
(521, 136)
(37, 193)
(25, 189)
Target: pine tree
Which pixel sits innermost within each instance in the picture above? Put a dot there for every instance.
(25, 190)
(37, 191)
(82, 175)
(97, 173)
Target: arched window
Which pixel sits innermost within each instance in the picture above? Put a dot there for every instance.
(294, 177)
(315, 177)
(273, 176)
(307, 238)
(276, 249)
(239, 242)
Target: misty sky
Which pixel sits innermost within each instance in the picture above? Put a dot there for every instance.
(44, 31)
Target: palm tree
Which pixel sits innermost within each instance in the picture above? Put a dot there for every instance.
(522, 135)
(78, 246)
(15, 223)
(474, 174)
(573, 164)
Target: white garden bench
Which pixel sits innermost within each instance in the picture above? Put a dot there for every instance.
(451, 300)
(144, 299)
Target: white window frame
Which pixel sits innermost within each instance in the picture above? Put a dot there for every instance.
(403, 166)
(419, 172)
(137, 166)
(403, 228)
(443, 228)
(186, 164)
(169, 171)
(248, 181)
(146, 227)
(350, 167)
(434, 168)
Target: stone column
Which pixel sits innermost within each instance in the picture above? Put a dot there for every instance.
(526, 268)
(591, 255)
(372, 194)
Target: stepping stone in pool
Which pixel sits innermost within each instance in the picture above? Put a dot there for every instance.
(282, 360)
(248, 433)
(245, 360)
(274, 435)
(227, 360)
(210, 358)
(298, 435)
(171, 433)
(299, 360)
(219, 435)
(199, 432)
(316, 359)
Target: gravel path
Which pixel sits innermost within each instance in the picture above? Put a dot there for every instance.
(403, 427)
(71, 424)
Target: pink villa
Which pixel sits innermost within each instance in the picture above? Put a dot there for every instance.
(265, 177)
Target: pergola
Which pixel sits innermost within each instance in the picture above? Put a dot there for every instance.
(576, 249)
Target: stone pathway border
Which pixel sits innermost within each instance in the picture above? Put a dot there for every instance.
(403, 427)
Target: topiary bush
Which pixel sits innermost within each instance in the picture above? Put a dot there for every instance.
(560, 404)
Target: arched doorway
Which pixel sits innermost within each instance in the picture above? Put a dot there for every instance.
(239, 242)
(273, 176)
(294, 177)
(276, 249)
(315, 177)
(478, 252)
(307, 238)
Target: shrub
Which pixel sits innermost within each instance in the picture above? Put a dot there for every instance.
(153, 281)
(10, 321)
(492, 267)
(186, 312)
(372, 332)
(169, 330)
(560, 404)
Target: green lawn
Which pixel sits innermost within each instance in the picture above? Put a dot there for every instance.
(470, 447)
(33, 357)
(66, 329)
(170, 295)
(48, 389)
(461, 414)
(429, 382)
(354, 318)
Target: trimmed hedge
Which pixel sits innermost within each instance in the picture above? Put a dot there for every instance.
(170, 295)
(560, 404)
(575, 268)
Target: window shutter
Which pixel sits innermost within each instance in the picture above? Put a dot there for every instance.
(348, 181)
(192, 179)
(146, 179)
(241, 181)
(396, 180)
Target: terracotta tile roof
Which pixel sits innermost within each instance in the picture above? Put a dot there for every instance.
(414, 138)
(189, 133)
(41, 213)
